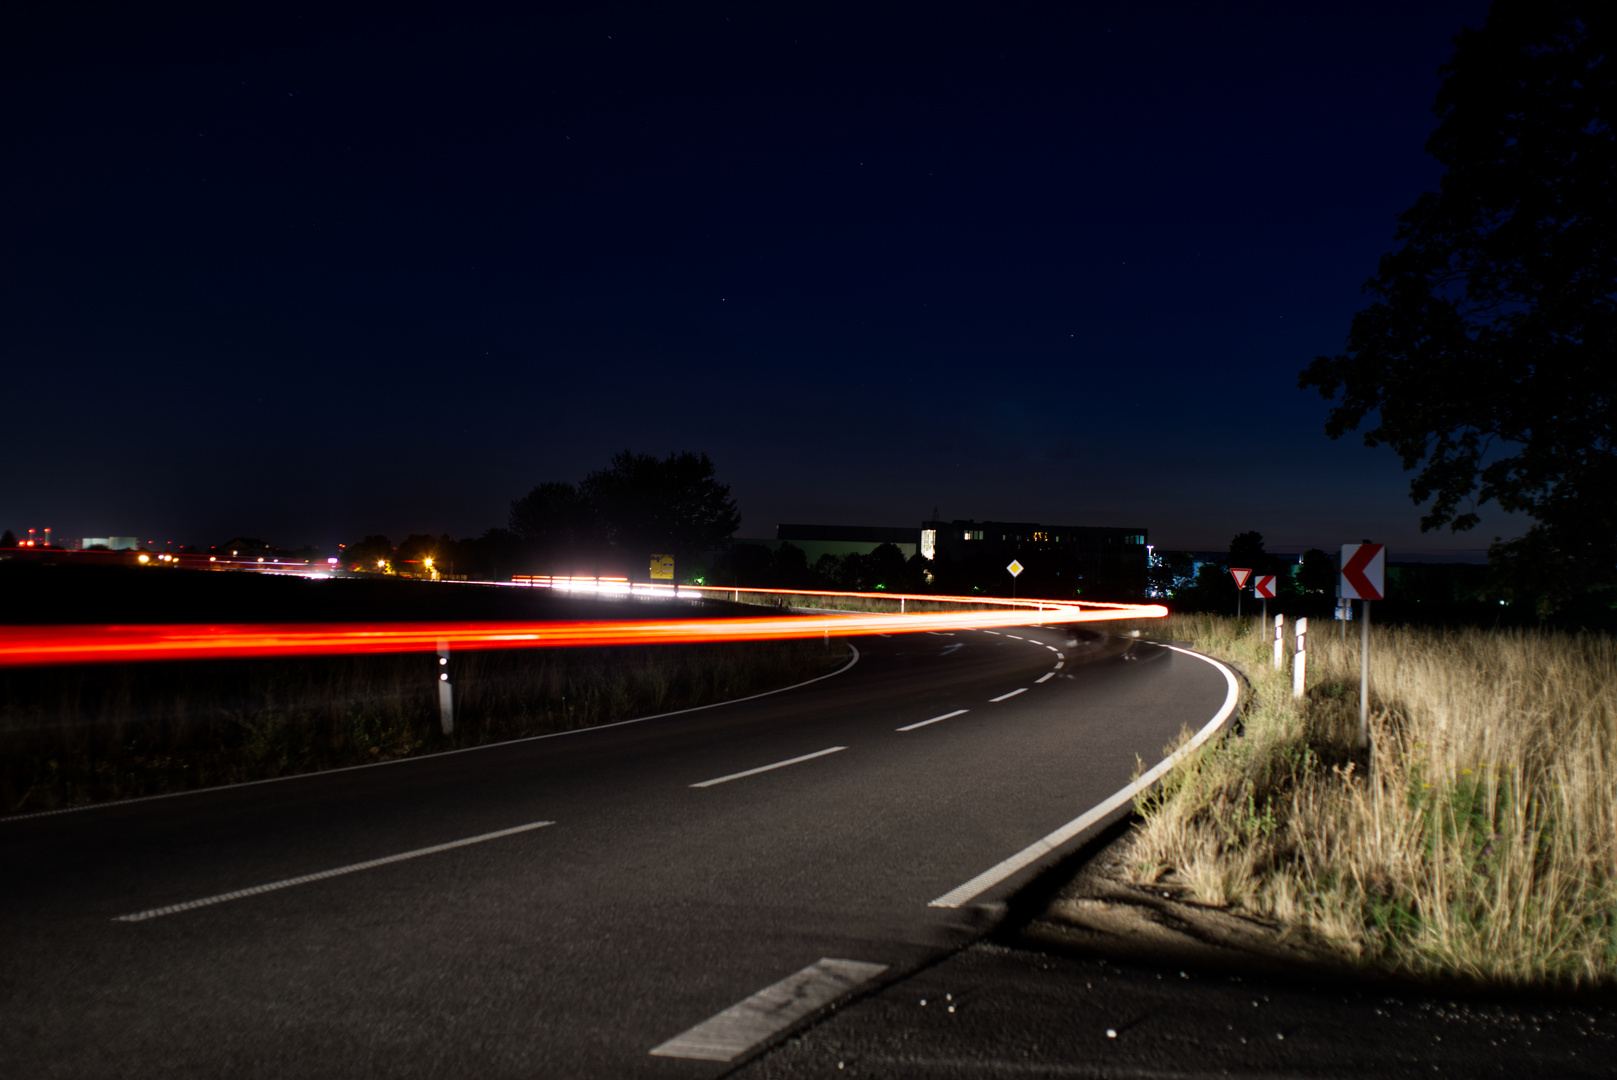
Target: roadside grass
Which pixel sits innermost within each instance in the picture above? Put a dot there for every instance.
(76, 735)
(1476, 837)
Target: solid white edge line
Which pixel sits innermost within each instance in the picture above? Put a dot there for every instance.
(1046, 675)
(1013, 693)
(1035, 851)
(257, 890)
(852, 660)
(935, 719)
(727, 1035)
(768, 768)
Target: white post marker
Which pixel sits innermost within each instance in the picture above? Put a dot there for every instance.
(1364, 569)
(1301, 660)
(1280, 634)
(446, 696)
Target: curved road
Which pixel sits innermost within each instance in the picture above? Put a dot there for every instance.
(570, 904)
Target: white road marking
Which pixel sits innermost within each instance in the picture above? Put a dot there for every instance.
(256, 890)
(994, 632)
(1060, 655)
(1016, 637)
(747, 1023)
(1035, 851)
(947, 649)
(935, 719)
(1053, 649)
(852, 660)
(767, 768)
(1046, 675)
(1060, 664)
(1013, 693)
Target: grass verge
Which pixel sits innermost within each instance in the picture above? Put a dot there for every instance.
(72, 736)
(1476, 836)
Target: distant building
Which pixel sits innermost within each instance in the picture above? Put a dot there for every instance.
(115, 543)
(839, 540)
(961, 540)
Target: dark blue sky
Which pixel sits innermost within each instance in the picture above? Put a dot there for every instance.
(282, 273)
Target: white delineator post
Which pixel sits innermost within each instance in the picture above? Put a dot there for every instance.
(1364, 674)
(1301, 660)
(446, 696)
(1280, 636)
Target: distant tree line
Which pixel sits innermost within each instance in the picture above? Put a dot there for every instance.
(607, 524)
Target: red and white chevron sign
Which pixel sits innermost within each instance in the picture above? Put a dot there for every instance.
(1364, 571)
(1264, 586)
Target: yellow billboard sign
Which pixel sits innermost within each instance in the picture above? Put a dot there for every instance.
(662, 568)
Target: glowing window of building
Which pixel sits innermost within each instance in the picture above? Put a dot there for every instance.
(929, 543)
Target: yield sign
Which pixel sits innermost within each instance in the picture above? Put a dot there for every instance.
(1364, 568)
(1264, 586)
(1240, 574)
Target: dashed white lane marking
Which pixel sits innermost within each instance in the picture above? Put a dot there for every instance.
(1037, 850)
(1013, 693)
(767, 768)
(935, 719)
(1060, 664)
(1046, 675)
(994, 632)
(1016, 637)
(1060, 655)
(747, 1023)
(256, 890)
(1053, 649)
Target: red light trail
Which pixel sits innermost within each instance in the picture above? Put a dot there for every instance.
(22, 646)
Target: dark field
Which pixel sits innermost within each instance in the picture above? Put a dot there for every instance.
(75, 735)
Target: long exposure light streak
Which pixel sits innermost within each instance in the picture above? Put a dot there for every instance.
(71, 644)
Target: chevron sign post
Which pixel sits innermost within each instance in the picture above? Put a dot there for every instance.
(1364, 573)
(1263, 586)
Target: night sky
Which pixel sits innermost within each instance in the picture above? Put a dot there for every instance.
(304, 276)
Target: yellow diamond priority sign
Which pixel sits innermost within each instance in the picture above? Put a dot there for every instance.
(1015, 568)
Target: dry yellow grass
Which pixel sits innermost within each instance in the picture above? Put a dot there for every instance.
(1477, 836)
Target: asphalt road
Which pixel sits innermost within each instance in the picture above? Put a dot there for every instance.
(634, 887)
(1010, 1012)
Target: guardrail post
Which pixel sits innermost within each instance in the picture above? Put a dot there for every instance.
(1301, 659)
(446, 695)
(1280, 634)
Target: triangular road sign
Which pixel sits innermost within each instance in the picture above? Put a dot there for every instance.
(1240, 574)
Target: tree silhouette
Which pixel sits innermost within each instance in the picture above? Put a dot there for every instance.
(1487, 357)
(556, 523)
(673, 505)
